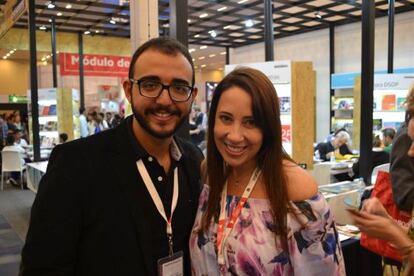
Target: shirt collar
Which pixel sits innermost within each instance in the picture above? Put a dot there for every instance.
(140, 152)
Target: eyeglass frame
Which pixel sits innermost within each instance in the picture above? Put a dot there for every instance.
(163, 86)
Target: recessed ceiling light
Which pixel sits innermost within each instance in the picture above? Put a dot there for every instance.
(48, 56)
(248, 23)
(201, 58)
(222, 53)
(51, 5)
(86, 32)
(221, 9)
(8, 54)
(213, 33)
(203, 15)
(59, 14)
(112, 21)
(227, 27)
(68, 6)
(203, 65)
(12, 52)
(212, 55)
(96, 31)
(318, 15)
(188, 21)
(197, 35)
(4, 57)
(192, 50)
(242, 1)
(43, 58)
(42, 27)
(50, 20)
(203, 47)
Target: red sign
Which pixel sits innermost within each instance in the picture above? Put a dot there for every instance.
(286, 134)
(94, 65)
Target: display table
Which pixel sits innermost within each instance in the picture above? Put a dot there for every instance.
(34, 173)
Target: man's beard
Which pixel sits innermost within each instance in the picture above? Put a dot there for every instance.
(146, 126)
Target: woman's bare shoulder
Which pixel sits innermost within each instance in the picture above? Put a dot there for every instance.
(300, 184)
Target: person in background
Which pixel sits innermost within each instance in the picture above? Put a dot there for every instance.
(327, 149)
(374, 220)
(402, 165)
(109, 119)
(117, 120)
(387, 138)
(198, 133)
(3, 132)
(11, 146)
(92, 122)
(83, 123)
(260, 213)
(114, 222)
(19, 140)
(63, 137)
(20, 125)
(10, 123)
(101, 123)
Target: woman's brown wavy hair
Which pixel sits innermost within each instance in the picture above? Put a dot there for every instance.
(265, 106)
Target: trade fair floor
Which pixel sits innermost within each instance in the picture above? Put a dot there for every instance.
(15, 207)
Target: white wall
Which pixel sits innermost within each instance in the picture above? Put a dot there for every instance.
(314, 46)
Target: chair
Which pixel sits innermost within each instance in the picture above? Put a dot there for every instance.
(11, 162)
(383, 167)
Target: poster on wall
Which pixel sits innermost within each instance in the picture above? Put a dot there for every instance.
(109, 98)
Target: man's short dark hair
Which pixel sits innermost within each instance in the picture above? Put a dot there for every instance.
(81, 110)
(388, 132)
(166, 46)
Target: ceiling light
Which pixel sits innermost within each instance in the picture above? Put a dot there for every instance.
(203, 65)
(57, 52)
(213, 33)
(221, 9)
(193, 60)
(192, 50)
(42, 27)
(86, 32)
(112, 21)
(248, 23)
(68, 6)
(4, 57)
(12, 52)
(59, 14)
(43, 58)
(203, 15)
(8, 54)
(222, 53)
(50, 20)
(212, 55)
(318, 15)
(227, 27)
(96, 31)
(203, 47)
(15, 49)
(242, 1)
(197, 35)
(51, 5)
(166, 25)
(201, 58)
(47, 57)
(188, 21)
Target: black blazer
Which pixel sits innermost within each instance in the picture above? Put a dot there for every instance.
(89, 215)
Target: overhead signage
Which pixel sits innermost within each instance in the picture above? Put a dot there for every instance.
(94, 65)
(10, 13)
(17, 99)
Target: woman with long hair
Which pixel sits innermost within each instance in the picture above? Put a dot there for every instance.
(259, 213)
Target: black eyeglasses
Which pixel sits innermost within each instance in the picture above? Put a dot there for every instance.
(153, 89)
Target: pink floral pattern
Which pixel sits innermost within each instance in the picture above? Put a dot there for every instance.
(314, 249)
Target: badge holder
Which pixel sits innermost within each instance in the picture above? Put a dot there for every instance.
(173, 265)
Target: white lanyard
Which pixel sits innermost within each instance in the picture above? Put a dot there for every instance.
(157, 200)
(223, 231)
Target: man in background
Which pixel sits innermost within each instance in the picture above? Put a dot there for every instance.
(83, 123)
(387, 138)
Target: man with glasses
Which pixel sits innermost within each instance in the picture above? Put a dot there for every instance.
(123, 202)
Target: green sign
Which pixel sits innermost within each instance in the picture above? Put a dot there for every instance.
(17, 99)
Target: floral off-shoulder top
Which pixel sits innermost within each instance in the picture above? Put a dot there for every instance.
(313, 244)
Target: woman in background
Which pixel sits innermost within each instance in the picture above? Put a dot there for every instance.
(259, 214)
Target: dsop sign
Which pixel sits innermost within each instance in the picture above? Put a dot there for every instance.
(94, 65)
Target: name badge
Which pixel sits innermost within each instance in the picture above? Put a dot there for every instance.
(172, 265)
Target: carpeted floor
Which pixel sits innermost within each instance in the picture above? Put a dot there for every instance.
(10, 248)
